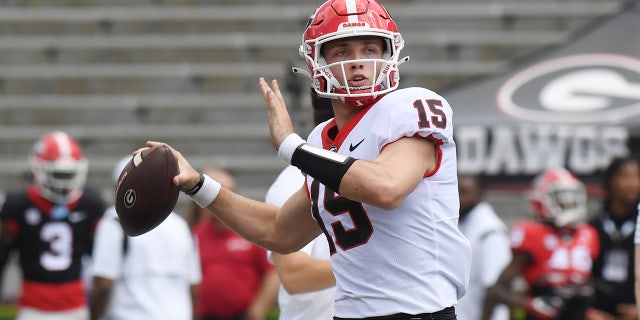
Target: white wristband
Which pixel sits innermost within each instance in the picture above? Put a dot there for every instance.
(288, 146)
(207, 193)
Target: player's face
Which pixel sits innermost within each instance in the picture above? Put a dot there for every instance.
(343, 52)
(625, 185)
(469, 192)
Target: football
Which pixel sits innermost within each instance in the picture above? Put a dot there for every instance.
(145, 194)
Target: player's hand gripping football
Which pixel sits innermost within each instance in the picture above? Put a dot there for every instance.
(187, 177)
(280, 124)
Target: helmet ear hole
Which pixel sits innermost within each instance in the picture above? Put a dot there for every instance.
(393, 78)
(322, 84)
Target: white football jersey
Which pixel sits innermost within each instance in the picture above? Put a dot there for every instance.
(316, 305)
(412, 259)
(636, 238)
(491, 247)
(153, 277)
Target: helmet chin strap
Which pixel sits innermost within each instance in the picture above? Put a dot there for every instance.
(356, 88)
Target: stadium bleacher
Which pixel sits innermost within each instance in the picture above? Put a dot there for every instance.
(114, 73)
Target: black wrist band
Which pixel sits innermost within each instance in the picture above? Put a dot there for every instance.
(325, 166)
(197, 187)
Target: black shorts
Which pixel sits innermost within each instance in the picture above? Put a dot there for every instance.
(444, 314)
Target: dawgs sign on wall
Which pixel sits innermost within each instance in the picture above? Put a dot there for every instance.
(568, 112)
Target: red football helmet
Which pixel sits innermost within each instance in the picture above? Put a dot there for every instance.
(59, 167)
(559, 198)
(337, 19)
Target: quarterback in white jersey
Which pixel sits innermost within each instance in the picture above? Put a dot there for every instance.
(421, 260)
(381, 177)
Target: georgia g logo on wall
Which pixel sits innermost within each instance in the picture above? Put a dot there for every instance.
(574, 89)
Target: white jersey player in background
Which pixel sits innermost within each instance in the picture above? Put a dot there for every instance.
(381, 177)
(138, 277)
(308, 286)
(490, 244)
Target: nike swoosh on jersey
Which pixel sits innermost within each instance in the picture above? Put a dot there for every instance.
(352, 147)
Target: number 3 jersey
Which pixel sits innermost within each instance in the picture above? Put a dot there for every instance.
(411, 259)
(51, 241)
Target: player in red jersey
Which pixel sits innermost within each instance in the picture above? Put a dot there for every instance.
(50, 224)
(553, 254)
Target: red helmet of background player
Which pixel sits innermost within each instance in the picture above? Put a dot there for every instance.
(338, 19)
(59, 167)
(559, 198)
